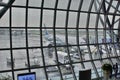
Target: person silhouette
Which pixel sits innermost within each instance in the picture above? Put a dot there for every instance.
(115, 68)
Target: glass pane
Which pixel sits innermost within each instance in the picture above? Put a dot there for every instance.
(35, 57)
(101, 21)
(85, 53)
(118, 51)
(94, 52)
(5, 60)
(92, 21)
(20, 2)
(48, 17)
(66, 71)
(116, 22)
(4, 21)
(60, 34)
(62, 4)
(18, 17)
(61, 18)
(49, 56)
(106, 61)
(97, 64)
(4, 38)
(93, 7)
(92, 35)
(85, 5)
(114, 3)
(114, 60)
(33, 38)
(88, 65)
(82, 36)
(72, 19)
(52, 75)
(100, 36)
(18, 38)
(33, 18)
(35, 3)
(49, 3)
(83, 19)
(20, 58)
(72, 36)
(75, 4)
(6, 75)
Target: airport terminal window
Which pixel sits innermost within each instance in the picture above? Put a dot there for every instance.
(57, 38)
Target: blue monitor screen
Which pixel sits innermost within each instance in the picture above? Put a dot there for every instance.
(27, 76)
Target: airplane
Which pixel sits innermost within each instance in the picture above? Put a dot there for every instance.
(49, 41)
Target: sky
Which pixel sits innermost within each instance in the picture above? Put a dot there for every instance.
(18, 14)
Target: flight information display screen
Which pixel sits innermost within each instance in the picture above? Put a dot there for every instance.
(27, 76)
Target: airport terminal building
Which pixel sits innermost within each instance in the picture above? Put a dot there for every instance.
(56, 39)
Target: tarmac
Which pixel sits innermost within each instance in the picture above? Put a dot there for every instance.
(21, 58)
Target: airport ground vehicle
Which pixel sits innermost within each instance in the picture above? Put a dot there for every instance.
(34, 62)
(63, 58)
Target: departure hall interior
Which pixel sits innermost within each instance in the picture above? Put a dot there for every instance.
(59, 39)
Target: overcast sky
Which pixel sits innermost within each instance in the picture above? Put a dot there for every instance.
(18, 14)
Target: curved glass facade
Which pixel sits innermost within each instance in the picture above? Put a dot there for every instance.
(58, 38)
